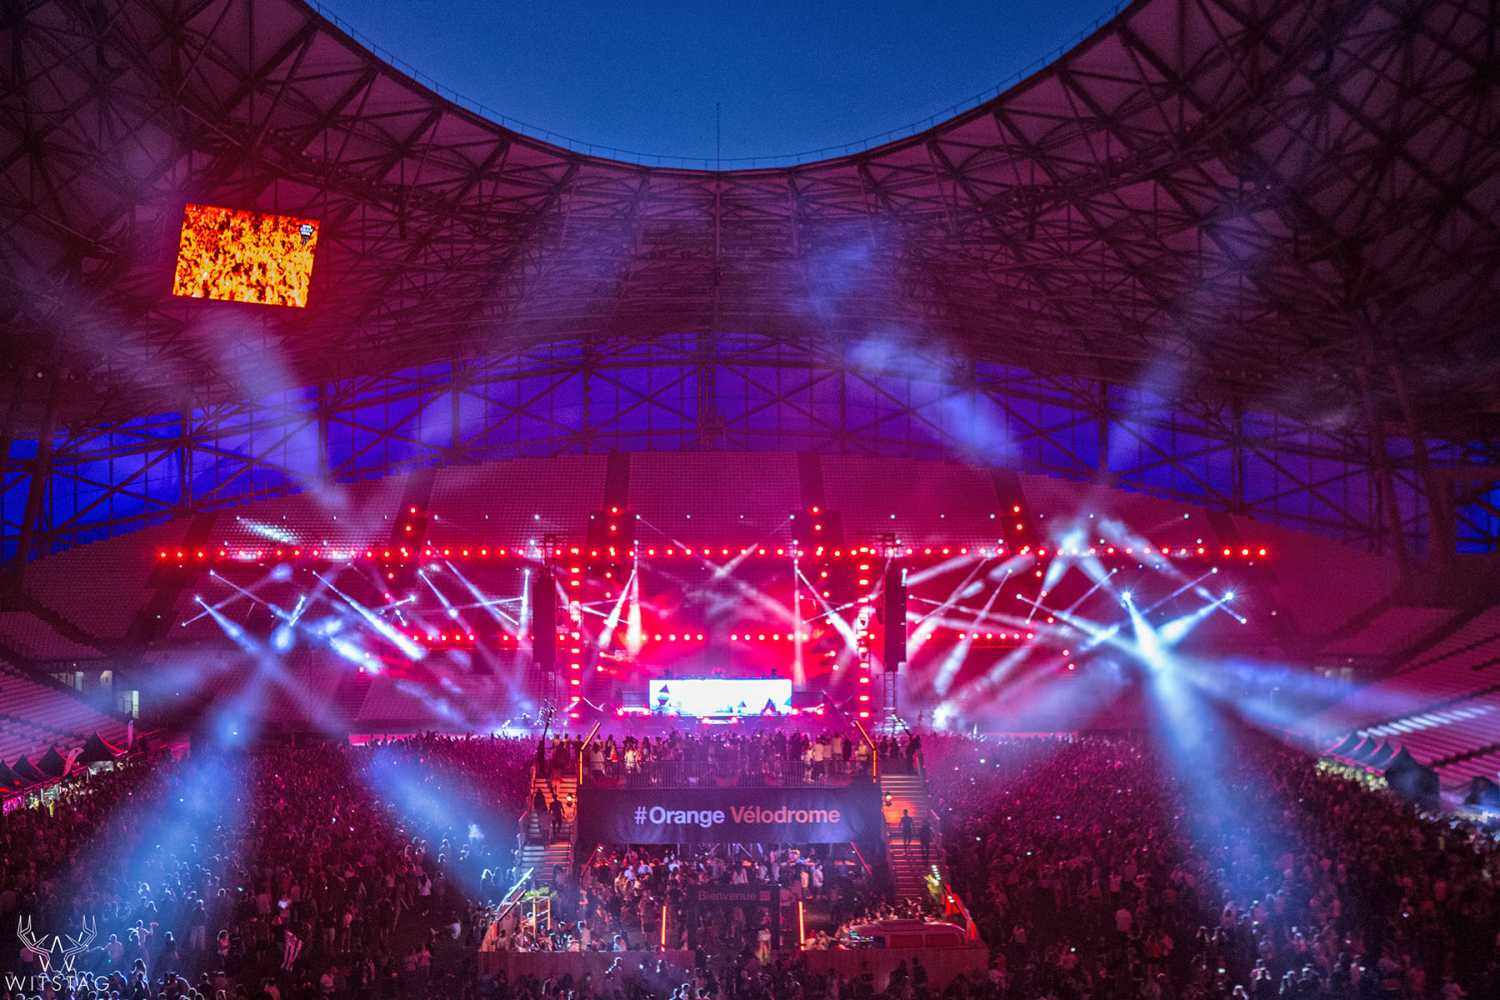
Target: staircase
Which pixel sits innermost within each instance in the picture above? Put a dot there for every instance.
(540, 852)
(542, 857)
(908, 792)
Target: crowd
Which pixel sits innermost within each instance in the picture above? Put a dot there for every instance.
(775, 756)
(1095, 868)
(1107, 867)
(283, 873)
(621, 895)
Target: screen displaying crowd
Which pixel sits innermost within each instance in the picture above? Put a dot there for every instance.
(1088, 864)
(238, 256)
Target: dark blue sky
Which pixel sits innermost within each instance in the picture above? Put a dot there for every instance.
(790, 76)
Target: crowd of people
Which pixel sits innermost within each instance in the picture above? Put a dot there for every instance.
(1095, 867)
(282, 873)
(1113, 867)
(620, 896)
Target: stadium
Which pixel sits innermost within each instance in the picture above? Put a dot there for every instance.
(1049, 553)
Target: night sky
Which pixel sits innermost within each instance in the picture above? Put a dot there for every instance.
(790, 76)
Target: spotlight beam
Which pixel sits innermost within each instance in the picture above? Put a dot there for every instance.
(954, 595)
(483, 601)
(236, 634)
(921, 576)
(410, 649)
(238, 593)
(1177, 629)
(443, 598)
(1098, 583)
(839, 623)
(1098, 634)
(1179, 592)
(954, 661)
(612, 620)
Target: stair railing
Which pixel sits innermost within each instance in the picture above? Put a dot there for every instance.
(869, 872)
(936, 842)
(583, 750)
(523, 822)
(952, 903)
(531, 813)
(513, 896)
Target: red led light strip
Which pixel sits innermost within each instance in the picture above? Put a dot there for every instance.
(239, 553)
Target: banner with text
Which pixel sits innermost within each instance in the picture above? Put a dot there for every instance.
(723, 815)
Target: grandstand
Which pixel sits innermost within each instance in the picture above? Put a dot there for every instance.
(1442, 702)
(36, 716)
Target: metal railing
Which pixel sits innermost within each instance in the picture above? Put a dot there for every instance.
(953, 903)
(714, 163)
(874, 750)
(583, 751)
(724, 773)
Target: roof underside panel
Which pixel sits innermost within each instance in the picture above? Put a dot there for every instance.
(1259, 199)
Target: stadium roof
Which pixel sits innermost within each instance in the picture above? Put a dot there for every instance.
(1245, 201)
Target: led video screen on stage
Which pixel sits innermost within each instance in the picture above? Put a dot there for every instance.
(232, 255)
(713, 696)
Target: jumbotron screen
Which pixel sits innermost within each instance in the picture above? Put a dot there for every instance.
(233, 255)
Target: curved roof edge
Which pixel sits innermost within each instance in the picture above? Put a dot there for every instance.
(1017, 81)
